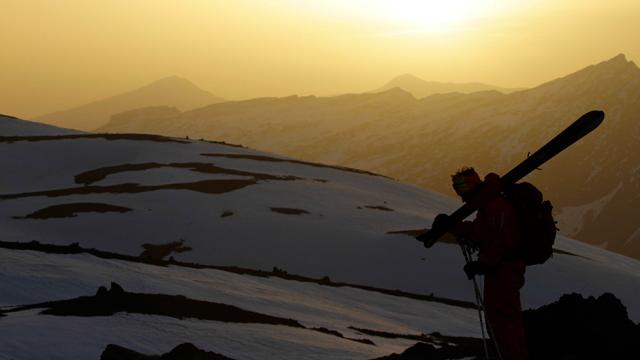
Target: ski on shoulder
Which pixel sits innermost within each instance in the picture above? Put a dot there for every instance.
(576, 131)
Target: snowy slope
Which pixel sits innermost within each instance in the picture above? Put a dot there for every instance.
(422, 141)
(33, 277)
(236, 206)
(11, 126)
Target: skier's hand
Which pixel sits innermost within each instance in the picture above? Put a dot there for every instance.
(441, 220)
(474, 268)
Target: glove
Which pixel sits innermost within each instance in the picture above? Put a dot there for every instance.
(441, 220)
(474, 268)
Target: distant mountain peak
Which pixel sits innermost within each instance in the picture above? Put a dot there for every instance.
(406, 77)
(607, 75)
(172, 78)
(172, 81)
(619, 60)
(620, 56)
(618, 63)
(398, 90)
(170, 91)
(420, 88)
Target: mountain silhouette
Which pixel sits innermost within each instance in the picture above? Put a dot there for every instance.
(594, 185)
(421, 88)
(169, 91)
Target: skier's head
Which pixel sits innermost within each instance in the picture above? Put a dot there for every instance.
(465, 181)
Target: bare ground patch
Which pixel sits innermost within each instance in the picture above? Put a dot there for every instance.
(72, 209)
(140, 137)
(116, 299)
(213, 186)
(92, 176)
(185, 351)
(378, 207)
(289, 211)
(279, 273)
(161, 251)
(204, 186)
(274, 159)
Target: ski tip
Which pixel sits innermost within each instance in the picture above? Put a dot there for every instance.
(591, 120)
(595, 116)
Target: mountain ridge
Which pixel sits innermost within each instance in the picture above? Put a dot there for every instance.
(421, 141)
(420, 88)
(168, 91)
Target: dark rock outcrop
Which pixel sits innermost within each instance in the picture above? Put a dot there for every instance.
(161, 251)
(575, 327)
(116, 299)
(571, 328)
(185, 351)
(72, 209)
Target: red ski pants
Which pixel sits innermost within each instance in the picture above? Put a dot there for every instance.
(504, 313)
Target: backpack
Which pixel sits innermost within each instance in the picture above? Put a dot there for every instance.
(536, 226)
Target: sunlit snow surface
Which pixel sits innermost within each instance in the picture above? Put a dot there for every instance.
(10, 126)
(339, 236)
(30, 277)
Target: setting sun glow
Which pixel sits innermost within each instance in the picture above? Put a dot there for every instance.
(65, 53)
(428, 15)
(415, 16)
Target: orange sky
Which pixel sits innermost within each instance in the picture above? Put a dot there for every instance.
(63, 53)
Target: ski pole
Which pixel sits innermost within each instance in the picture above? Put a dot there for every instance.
(478, 303)
(481, 310)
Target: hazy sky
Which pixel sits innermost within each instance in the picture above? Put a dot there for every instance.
(62, 53)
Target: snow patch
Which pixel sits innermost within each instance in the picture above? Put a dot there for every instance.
(10, 126)
(633, 237)
(571, 219)
(595, 170)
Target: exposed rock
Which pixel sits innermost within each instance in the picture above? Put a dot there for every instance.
(571, 328)
(72, 209)
(326, 281)
(289, 211)
(185, 351)
(575, 327)
(160, 251)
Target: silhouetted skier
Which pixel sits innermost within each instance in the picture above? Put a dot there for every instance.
(494, 231)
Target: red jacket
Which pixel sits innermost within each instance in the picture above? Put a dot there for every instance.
(494, 229)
